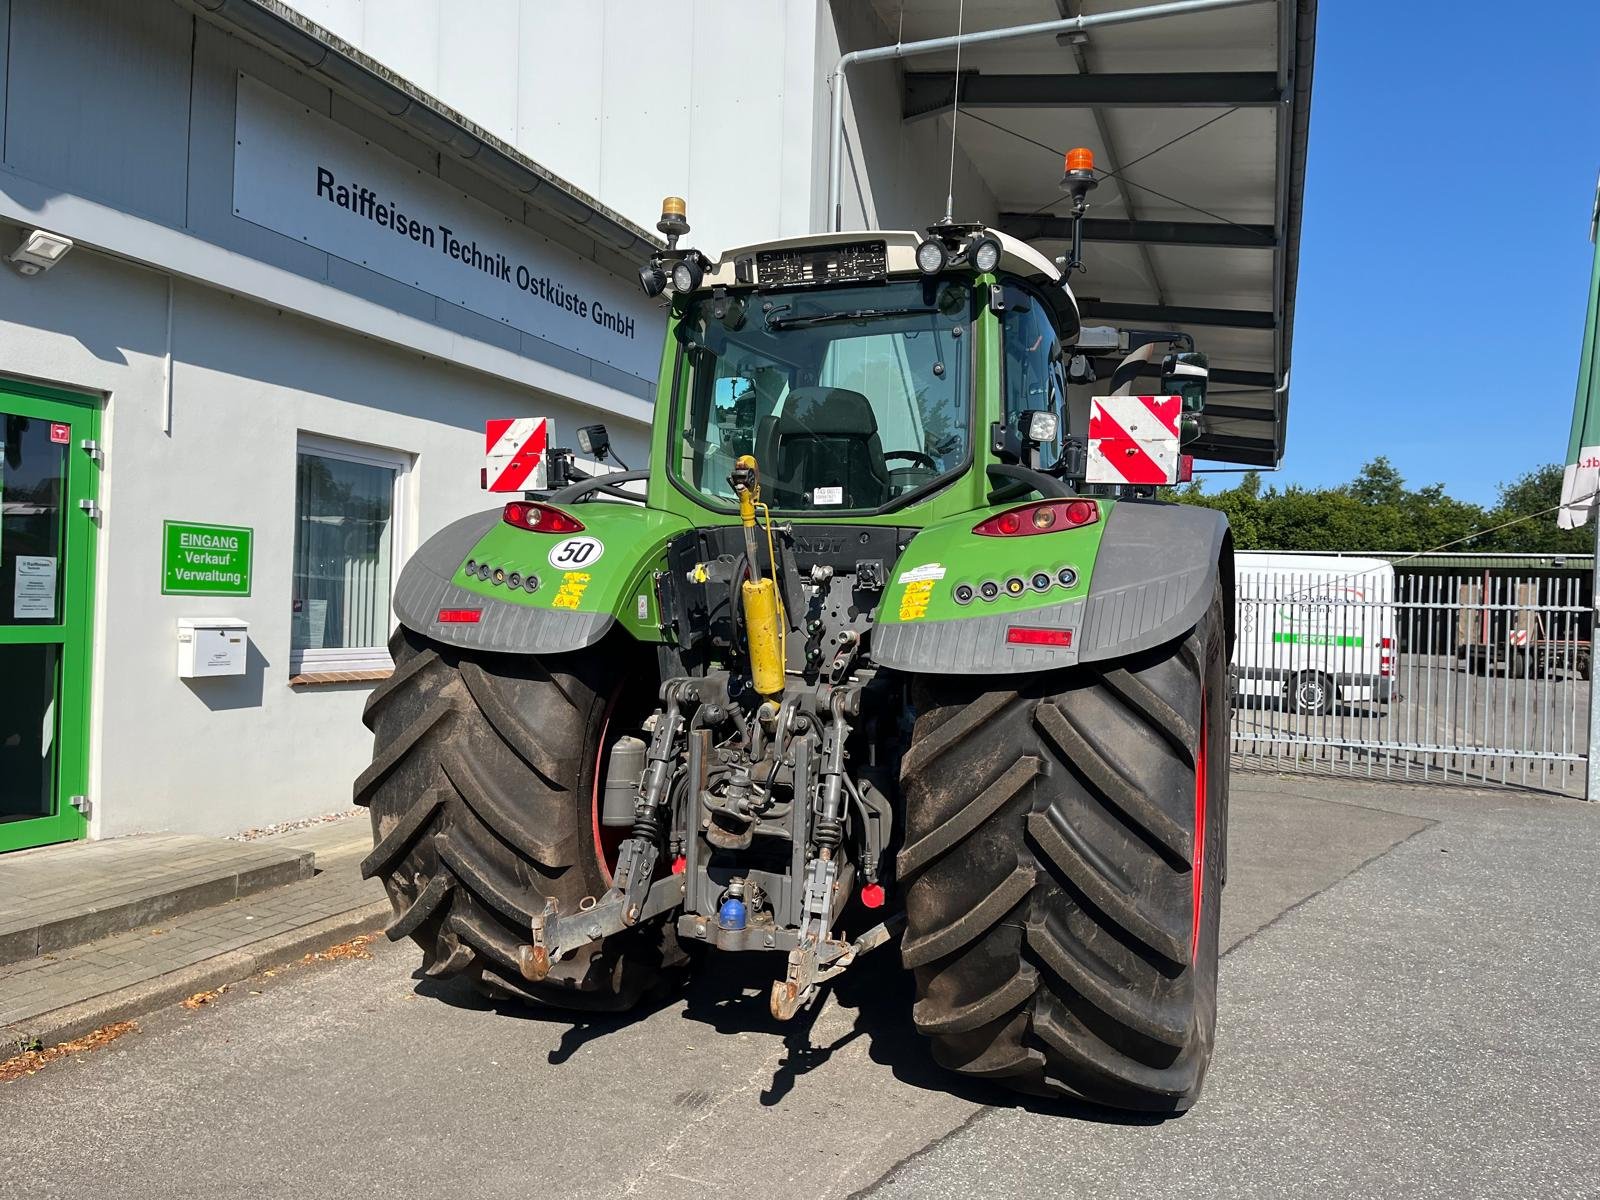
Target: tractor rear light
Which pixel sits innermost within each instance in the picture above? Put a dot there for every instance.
(1027, 635)
(1050, 516)
(540, 518)
(459, 616)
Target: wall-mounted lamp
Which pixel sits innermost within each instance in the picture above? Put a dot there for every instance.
(38, 251)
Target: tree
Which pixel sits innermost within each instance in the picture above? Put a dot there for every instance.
(1378, 483)
(1534, 496)
(1376, 511)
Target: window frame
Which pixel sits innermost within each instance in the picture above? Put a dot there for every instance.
(685, 384)
(1055, 375)
(328, 659)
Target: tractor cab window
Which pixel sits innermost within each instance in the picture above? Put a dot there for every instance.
(851, 399)
(1032, 375)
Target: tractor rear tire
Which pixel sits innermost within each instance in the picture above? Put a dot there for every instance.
(1063, 864)
(482, 792)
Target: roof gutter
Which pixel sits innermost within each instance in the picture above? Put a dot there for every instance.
(936, 45)
(1304, 32)
(337, 64)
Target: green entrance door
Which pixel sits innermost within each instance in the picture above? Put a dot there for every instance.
(48, 483)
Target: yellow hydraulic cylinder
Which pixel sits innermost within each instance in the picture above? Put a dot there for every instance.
(761, 631)
(762, 616)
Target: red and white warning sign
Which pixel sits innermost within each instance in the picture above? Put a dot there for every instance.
(515, 450)
(60, 433)
(1134, 439)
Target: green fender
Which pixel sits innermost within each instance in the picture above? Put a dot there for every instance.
(578, 598)
(1145, 574)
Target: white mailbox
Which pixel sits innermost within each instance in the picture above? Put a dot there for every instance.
(210, 646)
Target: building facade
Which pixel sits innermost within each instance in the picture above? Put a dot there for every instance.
(271, 265)
(274, 269)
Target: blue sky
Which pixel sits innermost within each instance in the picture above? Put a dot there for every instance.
(1445, 261)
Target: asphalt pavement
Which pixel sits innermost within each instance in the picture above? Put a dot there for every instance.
(1407, 1009)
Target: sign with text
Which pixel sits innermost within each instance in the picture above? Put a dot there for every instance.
(204, 560)
(311, 179)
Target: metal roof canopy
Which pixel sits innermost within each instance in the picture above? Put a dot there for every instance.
(1199, 123)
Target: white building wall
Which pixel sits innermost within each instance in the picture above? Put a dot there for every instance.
(896, 172)
(629, 100)
(220, 755)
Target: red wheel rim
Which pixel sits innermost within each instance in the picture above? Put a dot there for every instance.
(1199, 870)
(608, 839)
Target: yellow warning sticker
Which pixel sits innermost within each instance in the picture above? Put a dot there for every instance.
(573, 584)
(914, 601)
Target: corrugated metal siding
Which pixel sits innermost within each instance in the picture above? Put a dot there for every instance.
(99, 100)
(218, 61)
(5, 62)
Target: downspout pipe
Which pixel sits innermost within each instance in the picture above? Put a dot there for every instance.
(1176, 8)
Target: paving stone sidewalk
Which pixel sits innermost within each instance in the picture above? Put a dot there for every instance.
(61, 994)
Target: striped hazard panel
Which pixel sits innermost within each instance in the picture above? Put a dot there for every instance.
(515, 451)
(1134, 439)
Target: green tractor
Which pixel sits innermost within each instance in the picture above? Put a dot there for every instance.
(865, 653)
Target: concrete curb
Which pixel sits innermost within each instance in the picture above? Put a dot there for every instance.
(140, 999)
(95, 917)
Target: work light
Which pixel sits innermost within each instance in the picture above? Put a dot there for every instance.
(931, 257)
(652, 279)
(686, 275)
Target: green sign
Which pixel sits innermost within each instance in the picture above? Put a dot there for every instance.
(1316, 639)
(204, 560)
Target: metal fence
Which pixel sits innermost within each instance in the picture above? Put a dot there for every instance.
(1463, 678)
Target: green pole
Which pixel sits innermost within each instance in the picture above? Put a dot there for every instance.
(1582, 480)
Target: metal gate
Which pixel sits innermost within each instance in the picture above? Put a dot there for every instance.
(1479, 678)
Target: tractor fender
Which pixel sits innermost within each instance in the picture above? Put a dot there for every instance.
(569, 610)
(1153, 576)
(1157, 571)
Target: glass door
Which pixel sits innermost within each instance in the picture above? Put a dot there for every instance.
(48, 482)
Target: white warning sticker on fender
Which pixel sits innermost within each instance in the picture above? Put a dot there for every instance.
(925, 571)
(573, 553)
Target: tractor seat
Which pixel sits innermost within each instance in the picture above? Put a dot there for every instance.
(824, 437)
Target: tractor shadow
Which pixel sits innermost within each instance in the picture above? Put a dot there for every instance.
(581, 1028)
(728, 993)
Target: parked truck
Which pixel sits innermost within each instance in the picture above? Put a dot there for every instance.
(1504, 625)
(868, 659)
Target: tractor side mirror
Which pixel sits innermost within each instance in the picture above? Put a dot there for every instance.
(1186, 374)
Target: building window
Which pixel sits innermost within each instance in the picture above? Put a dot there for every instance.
(348, 544)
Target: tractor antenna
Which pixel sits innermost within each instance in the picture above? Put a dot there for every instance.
(955, 111)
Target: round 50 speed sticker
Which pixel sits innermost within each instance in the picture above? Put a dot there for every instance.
(576, 553)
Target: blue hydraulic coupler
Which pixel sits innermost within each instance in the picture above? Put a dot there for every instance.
(732, 914)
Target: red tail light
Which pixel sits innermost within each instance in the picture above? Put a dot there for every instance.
(1050, 516)
(459, 616)
(540, 518)
(1023, 635)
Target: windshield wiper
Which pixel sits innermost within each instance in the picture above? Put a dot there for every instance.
(860, 314)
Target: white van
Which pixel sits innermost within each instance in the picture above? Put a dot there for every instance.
(1313, 629)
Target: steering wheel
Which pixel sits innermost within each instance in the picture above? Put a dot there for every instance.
(916, 456)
